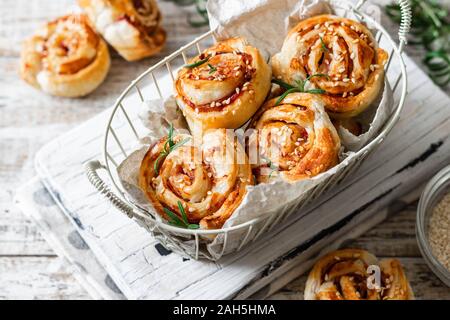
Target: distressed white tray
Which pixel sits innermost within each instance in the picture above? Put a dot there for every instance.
(63, 237)
(416, 148)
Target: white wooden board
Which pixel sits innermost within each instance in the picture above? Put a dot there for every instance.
(417, 147)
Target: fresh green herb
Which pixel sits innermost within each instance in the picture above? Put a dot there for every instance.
(200, 6)
(183, 222)
(271, 166)
(198, 63)
(324, 46)
(212, 69)
(169, 146)
(298, 87)
(430, 29)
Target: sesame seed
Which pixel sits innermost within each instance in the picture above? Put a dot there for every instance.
(355, 41)
(213, 104)
(354, 80)
(236, 68)
(308, 172)
(343, 24)
(317, 26)
(376, 77)
(237, 74)
(341, 69)
(327, 24)
(279, 77)
(191, 209)
(352, 56)
(344, 94)
(209, 192)
(346, 79)
(238, 90)
(196, 110)
(251, 91)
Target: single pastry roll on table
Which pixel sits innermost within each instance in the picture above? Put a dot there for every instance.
(342, 49)
(207, 179)
(294, 139)
(354, 274)
(224, 86)
(132, 27)
(65, 58)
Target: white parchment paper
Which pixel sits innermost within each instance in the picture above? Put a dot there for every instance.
(264, 23)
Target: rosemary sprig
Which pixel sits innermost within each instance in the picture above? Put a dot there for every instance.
(169, 146)
(324, 46)
(198, 63)
(212, 69)
(272, 167)
(200, 7)
(299, 86)
(183, 222)
(430, 29)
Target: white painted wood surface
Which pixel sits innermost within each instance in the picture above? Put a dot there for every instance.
(29, 119)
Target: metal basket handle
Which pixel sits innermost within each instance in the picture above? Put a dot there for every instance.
(91, 168)
(405, 21)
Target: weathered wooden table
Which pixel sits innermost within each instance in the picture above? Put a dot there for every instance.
(28, 118)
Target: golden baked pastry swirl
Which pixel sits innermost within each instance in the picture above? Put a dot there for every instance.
(65, 58)
(208, 180)
(224, 86)
(295, 139)
(132, 27)
(340, 48)
(350, 274)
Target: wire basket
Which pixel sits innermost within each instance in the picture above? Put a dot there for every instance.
(122, 128)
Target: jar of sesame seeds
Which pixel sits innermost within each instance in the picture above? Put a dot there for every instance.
(433, 224)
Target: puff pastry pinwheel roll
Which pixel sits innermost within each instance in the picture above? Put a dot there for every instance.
(354, 274)
(343, 50)
(132, 27)
(294, 139)
(224, 86)
(204, 183)
(65, 58)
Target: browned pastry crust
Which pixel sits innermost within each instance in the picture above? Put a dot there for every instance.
(132, 27)
(295, 139)
(227, 89)
(65, 58)
(344, 275)
(340, 48)
(207, 179)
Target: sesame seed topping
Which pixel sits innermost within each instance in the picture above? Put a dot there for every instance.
(355, 41)
(317, 26)
(346, 79)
